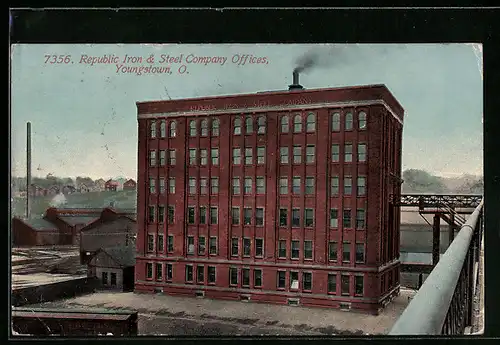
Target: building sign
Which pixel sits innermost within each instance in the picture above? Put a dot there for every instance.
(254, 104)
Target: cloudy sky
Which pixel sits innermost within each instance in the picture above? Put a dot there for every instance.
(84, 116)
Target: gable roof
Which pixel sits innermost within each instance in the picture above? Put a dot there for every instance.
(123, 255)
(99, 221)
(37, 223)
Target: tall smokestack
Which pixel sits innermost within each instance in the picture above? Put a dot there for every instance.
(28, 169)
(295, 85)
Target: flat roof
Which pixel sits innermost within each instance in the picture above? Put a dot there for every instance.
(20, 281)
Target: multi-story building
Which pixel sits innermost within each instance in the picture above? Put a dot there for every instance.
(276, 197)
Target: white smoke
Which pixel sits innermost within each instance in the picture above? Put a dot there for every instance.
(58, 200)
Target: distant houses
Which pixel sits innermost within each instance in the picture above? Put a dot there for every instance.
(130, 185)
(111, 185)
(99, 185)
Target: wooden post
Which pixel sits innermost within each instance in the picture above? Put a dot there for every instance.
(436, 231)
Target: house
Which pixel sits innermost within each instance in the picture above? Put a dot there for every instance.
(111, 185)
(68, 189)
(114, 266)
(83, 188)
(130, 185)
(99, 185)
(54, 190)
(36, 190)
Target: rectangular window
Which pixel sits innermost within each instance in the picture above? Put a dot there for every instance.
(361, 152)
(200, 274)
(214, 215)
(284, 155)
(189, 273)
(260, 185)
(211, 274)
(283, 217)
(162, 185)
(190, 245)
(361, 186)
(309, 217)
(191, 215)
(152, 158)
(215, 128)
(332, 251)
(201, 245)
(347, 219)
(259, 216)
(295, 249)
(236, 186)
(236, 156)
(192, 185)
(297, 154)
(203, 186)
(213, 245)
(151, 214)
(334, 218)
(151, 243)
(259, 247)
(171, 157)
(335, 152)
(296, 185)
(281, 279)
(248, 185)
(159, 272)
(308, 249)
(310, 154)
(360, 253)
(346, 252)
(294, 280)
(214, 185)
(203, 156)
(246, 247)
(248, 156)
(332, 283)
(360, 218)
(247, 216)
(334, 188)
(170, 243)
(245, 277)
(309, 185)
(307, 281)
(261, 155)
(348, 153)
(359, 288)
(192, 128)
(163, 157)
(149, 271)
(214, 155)
(235, 215)
(344, 284)
(347, 185)
(192, 156)
(283, 185)
(169, 271)
(296, 217)
(161, 214)
(203, 215)
(257, 278)
(234, 247)
(160, 242)
(171, 214)
(282, 249)
(233, 276)
(171, 185)
(152, 185)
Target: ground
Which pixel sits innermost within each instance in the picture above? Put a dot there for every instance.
(169, 315)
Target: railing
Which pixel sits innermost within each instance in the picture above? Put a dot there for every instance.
(433, 200)
(443, 305)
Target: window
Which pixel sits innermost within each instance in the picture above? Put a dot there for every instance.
(169, 272)
(282, 249)
(347, 219)
(171, 157)
(214, 185)
(284, 155)
(360, 253)
(161, 214)
(332, 283)
(203, 185)
(214, 155)
(151, 214)
(257, 278)
(235, 215)
(307, 281)
(260, 185)
(191, 215)
(297, 154)
(189, 273)
(248, 156)
(236, 186)
(332, 251)
(361, 186)
(261, 155)
(162, 185)
(152, 129)
(213, 245)
(163, 129)
(200, 274)
(360, 218)
(152, 185)
(308, 217)
(259, 216)
(214, 215)
(159, 273)
(296, 185)
(162, 157)
(285, 124)
(346, 252)
(203, 156)
(104, 278)
(215, 128)
(192, 185)
(311, 122)
(246, 247)
(237, 126)
(173, 129)
(310, 153)
(308, 249)
(190, 247)
(149, 271)
(236, 156)
(358, 283)
(192, 156)
(234, 247)
(294, 280)
(170, 243)
(261, 125)
(283, 217)
(334, 218)
(259, 247)
(160, 242)
(201, 245)
(347, 185)
(309, 185)
(171, 214)
(248, 185)
(204, 128)
(361, 152)
(348, 153)
(344, 284)
(295, 249)
(171, 185)
(281, 279)
(233, 276)
(192, 128)
(362, 120)
(202, 216)
(335, 122)
(297, 124)
(248, 125)
(283, 185)
(334, 190)
(348, 122)
(296, 217)
(247, 216)
(152, 158)
(335, 152)
(211, 274)
(245, 277)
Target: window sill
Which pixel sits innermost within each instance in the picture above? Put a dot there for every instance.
(233, 285)
(150, 279)
(346, 262)
(211, 283)
(307, 291)
(345, 294)
(332, 261)
(159, 280)
(259, 257)
(246, 256)
(358, 295)
(212, 254)
(308, 259)
(189, 282)
(331, 293)
(294, 259)
(245, 286)
(360, 262)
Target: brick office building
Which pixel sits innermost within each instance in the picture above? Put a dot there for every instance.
(277, 197)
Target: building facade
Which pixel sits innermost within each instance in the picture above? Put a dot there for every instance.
(280, 197)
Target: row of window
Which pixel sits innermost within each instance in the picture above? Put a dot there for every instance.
(311, 122)
(172, 125)
(207, 275)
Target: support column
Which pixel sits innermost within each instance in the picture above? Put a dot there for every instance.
(451, 228)
(436, 232)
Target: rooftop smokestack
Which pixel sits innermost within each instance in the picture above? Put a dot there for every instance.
(28, 169)
(295, 85)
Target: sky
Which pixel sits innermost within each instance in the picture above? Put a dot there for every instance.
(84, 117)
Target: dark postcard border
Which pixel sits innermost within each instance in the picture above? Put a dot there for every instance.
(305, 26)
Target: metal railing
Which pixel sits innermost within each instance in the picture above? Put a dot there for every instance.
(443, 305)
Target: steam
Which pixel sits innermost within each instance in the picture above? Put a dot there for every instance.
(319, 58)
(58, 200)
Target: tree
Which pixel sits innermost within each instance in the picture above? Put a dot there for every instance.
(420, 181)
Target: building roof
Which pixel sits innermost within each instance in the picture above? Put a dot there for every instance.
(78, 219)
(38, 223)
(112, 182)
(124, 255)
(130, 181)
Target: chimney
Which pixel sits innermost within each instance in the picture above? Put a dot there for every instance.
(28, 169)
(295, 85)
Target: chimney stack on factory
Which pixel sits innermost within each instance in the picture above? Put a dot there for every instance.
(28, 169)
(295, 84)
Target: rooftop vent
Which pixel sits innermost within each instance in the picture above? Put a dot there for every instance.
(295, 85)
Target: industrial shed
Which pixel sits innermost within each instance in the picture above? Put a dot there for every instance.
(114, 266)
(34, 232)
